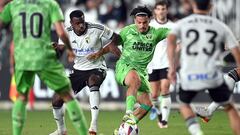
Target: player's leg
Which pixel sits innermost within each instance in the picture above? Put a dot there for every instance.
(58, 113)
(55, 78)
(133, 83)
(94, 82)
(143, 99)
(24, 81)
(222, 95)
(206, 113)
(154, 79)
(165, 102)
(78, 81)
(126, 75)
(185, 98)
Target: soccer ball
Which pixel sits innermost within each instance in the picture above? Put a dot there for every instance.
(127, 129)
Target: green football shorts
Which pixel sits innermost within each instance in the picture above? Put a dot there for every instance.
(122, 69)
(53, 75)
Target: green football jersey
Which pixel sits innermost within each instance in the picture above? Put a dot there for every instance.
(31, 22)
(138, 48)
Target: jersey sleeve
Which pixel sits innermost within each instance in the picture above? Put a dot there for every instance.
(56, 13)
(106, 33)
(230, 39)
(5, 15)
(162, 33)
(176, 30)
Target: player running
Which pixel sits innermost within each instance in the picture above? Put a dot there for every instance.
(33, 53)
(89, 68)
(158, 67)
(138, 41)
(202, 41)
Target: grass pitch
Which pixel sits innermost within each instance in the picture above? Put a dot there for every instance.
(42, 123)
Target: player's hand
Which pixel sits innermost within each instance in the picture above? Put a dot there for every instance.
(93, 56)
(172, 75)
(71, 55)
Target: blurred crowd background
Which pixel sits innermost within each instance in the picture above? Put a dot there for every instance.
(115, 15)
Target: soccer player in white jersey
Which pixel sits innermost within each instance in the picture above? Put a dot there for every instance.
(202, 41)
(157, 69)
(86, 39)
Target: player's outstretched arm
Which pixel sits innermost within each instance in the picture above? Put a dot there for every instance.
(111, 47)
(64, 37)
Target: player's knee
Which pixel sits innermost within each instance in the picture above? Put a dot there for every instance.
(95, 80)
(136, 83)
(57, 101)
(23, 97)
(154, 95)
(228, 107)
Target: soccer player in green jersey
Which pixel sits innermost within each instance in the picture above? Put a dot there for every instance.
(138, 41)
(31, 23)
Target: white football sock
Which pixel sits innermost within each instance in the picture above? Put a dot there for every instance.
(193, 126)
(58, 114)
(94, 100)
(195, 129)
(165, 106)
(156, 104)
(212, 107)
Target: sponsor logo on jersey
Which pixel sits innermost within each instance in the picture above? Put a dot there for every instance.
(142, 46)
(83, 52)
(201, 76)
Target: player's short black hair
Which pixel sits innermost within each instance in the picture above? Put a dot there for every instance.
(166, 3)
(77, 13)
(202, 4)
(141, 11)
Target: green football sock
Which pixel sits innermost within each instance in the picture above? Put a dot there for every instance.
(18, 117)
(77, 117)
(131, 100)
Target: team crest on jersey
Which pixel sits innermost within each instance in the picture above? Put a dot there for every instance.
(87, 39)
(149, 36)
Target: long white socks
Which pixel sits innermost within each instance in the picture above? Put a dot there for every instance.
(165, 106)
(94, 100)
(58, 114)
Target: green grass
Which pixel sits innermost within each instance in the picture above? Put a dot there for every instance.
(42, 123)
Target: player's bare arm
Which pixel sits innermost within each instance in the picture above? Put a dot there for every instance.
(64, 37)
(171, 40)
(111, 47)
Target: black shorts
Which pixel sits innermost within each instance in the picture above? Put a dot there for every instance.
(220, 94)
(79, 78)
(158, 74)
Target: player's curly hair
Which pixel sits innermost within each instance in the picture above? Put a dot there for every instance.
(141, 11)
(77, 13)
